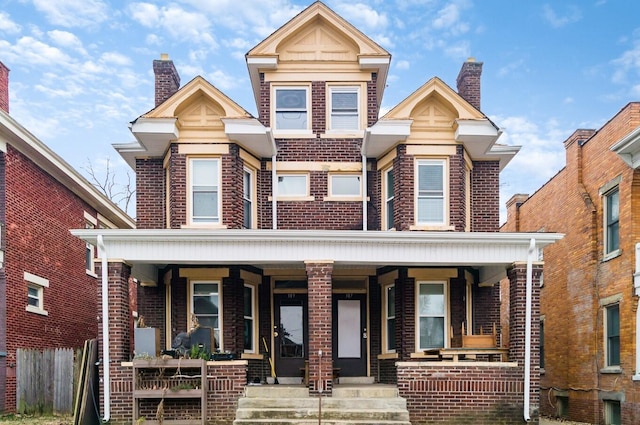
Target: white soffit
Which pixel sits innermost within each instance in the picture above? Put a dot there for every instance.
(251, 134)
(384, 134)
(479, 138)
(153, 135)
(628, 148)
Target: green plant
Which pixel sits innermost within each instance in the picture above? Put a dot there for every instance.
(199, 352)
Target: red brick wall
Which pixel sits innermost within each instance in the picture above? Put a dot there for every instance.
(457, 190)
(178, 188)
(319, 284)
(485, 196)
(4, 88)
(39, 213)
(405, 315)
(318, 107)
(403, 169)
(468, 82)
(149, 194)
(372, 100)
(232, 199)
(167, 80)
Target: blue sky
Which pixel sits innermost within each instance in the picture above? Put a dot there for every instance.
(81, 70)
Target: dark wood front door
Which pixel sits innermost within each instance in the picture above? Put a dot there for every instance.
(350, 334)
(291, 338)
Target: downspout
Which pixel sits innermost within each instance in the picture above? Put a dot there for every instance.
(363, 150)
(527, 331)
(274, 181)
(105, 331)
(636, 287)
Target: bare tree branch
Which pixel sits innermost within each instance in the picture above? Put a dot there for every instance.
(105, 181)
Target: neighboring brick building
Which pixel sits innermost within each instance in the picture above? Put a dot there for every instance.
(48, 292)
(589, 294)
(318, 226)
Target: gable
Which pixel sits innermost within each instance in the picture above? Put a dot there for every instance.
(318, 41)
(200, 112)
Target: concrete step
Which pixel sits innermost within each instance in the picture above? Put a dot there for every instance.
(315, 422)
(327, 403)
(373, 415)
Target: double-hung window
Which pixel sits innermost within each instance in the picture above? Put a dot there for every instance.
(612, 220)
(35, 293)
(431, 312)
(430, 192)
(388, 199)
(248, 198)
(390, 318)
(205, 305)
(204, 190)
(291, 106)
(344, 103)
(612, 326)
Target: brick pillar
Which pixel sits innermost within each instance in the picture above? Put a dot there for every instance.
(4, 88)
(320, 319)
(517, 275)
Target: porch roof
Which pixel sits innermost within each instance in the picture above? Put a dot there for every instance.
(148, 250)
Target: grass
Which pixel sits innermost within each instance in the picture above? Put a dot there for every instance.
(13, 419)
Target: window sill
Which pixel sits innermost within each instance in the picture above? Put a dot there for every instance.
(251, 356)
(293, 198)
(611, 255)
(91, 273)
(433, 227)
(36, 310)
(296, 134)
(387, 356)
(343, 198)
(611, 370)
(354, 134)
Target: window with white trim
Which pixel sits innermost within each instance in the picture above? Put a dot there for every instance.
(205, 304)
(612, 335)
(430, 192)
(612, 412)
(35, 293)
(90, 222)
(344, 105)
(346, 185)
(431, 315)
(292, 185)
(612, 220)
(291, 108)
(204, 190)
(389, 315)
(248, 195)
(388, 196)
(250, 323)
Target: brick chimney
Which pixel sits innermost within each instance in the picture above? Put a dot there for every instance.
(167, 78)
(4, 88)
(469, 82)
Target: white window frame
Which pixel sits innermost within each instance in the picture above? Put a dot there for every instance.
(443, 194)
(607, 337)
(387, 316)
(90, 222)
(282, 195)
(333, 113)
(249, 198)
(217, 331)
(253, 318)
(444, 315)
(610, 223)
(38, 284)
(216, 219)
(307, 110)
(387, 199)
(333, 177)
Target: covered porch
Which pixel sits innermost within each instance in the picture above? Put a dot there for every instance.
(322, 305)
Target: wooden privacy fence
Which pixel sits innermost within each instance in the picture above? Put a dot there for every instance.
(44, 380)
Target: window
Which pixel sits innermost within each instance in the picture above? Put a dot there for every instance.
(247, 198)
(542, 344)
(204, 188)
(388, 199)
(430, 192)
(35, 293)
(344, 185)
(431, 315)
(205, 304)
(291, 108)
(612, 221)
(612, 327)
(344, 108)
(249, 319)
(90, 250)
(292, 185)
(390, 318)
(612, 412)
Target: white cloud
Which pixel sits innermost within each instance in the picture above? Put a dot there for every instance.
(7, 25)
(222, 80)
(510, 67)
(449, 19)
(362, 16)
(28, 50)
(153, 40)
(573, 14)
(115, 59)
(403, 64)
(146, 14)
(629, 61)
(67, 40)
(73, 13)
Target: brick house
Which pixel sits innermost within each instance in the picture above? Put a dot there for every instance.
(339, 242)
(48, 291)
(591, 352)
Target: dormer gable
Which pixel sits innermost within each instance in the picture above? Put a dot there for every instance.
(317, 40)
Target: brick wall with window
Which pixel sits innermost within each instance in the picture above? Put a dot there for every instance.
(38, 213)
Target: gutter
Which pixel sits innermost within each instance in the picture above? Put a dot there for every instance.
(274, 181)
(636, 292)
(105, 331)
(527, 331)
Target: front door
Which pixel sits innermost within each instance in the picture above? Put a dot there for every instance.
(291, 345)
(350, 334)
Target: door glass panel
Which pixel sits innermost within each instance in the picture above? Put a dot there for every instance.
(292, 331)
(349, 328)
